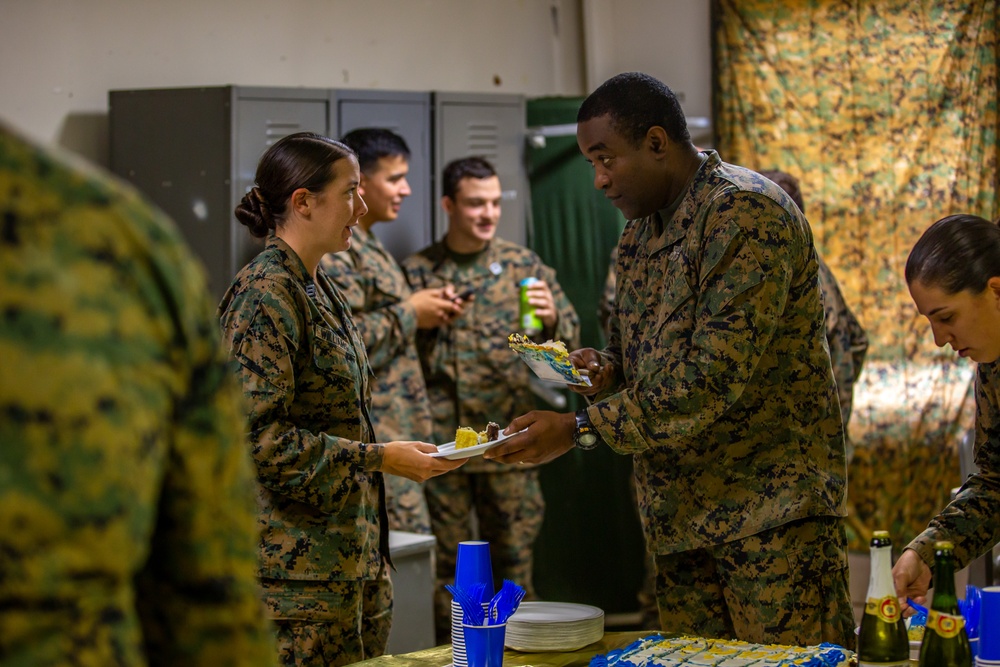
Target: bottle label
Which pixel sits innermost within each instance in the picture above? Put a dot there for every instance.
(944, 625)
(886, 608)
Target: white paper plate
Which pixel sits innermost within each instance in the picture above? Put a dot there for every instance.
(554, 626)
(554, 612)
(448, 450)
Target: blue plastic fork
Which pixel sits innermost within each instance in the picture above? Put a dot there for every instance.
(505, 602)
(469, 600)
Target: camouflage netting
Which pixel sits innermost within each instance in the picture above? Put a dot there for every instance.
(886, 112)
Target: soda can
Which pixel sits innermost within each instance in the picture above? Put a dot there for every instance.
(530, 322)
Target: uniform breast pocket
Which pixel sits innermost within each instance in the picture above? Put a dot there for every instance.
(494, 317)
(647, 307)
(674, 300)
(334, 355)
(387, 288)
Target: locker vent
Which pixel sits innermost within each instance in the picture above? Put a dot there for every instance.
(483, 140)
(275, 130)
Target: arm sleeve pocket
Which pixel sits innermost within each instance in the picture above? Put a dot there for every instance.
(736, 272)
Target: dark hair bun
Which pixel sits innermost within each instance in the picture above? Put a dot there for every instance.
(254, 213)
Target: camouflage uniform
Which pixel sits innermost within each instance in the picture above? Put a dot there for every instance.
(847, 341)
(126, 493)
(972, 520)
(726, 397)
(845, 336)
(375, 287)
(607, 303)
(473, 378)
(305, 377)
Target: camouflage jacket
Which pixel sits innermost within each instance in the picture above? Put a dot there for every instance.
(607, 303)
(846, 338)
(126, 493)
(726, 396)
(473, 377)
(972, 521)
(305, 377)
(375, 287)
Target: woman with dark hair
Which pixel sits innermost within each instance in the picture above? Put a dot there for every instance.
(324, 531)
(953, 273)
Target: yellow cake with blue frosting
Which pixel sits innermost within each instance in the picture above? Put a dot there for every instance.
(658, 651)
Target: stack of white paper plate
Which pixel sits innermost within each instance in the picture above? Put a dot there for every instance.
(553, 626)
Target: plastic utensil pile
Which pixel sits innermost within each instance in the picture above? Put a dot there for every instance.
(969, 607)
(501, 607)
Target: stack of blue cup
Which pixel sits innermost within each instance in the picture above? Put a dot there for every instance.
(989, 628)
(472, 567)
(485, 644)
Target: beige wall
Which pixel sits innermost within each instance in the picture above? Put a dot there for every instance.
(59, 58)
(669, 39)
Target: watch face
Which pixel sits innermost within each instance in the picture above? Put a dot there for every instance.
(587, 439)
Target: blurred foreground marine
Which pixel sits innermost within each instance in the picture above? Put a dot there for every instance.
(126, 494)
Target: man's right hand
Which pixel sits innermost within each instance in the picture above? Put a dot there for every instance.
(588, 359)
(434, 307)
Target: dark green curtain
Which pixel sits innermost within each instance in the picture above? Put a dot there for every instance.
(590, 549)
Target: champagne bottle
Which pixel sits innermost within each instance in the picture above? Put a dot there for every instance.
(883, 639)
(945, 643)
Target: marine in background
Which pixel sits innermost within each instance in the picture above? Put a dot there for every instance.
(473, 377)
(388, 313)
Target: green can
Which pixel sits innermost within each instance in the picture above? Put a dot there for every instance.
(531, 325)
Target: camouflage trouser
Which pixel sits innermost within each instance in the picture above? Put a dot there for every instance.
(787, 585)
(407, 506)
(329, 623)
(649, 615)
(509, 509)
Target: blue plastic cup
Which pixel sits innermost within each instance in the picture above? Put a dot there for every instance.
(484, 644)
(989, 624)
(473, 566)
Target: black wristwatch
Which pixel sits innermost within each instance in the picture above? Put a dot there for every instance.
(585, 436)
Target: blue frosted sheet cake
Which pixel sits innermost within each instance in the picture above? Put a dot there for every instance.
(655, 651)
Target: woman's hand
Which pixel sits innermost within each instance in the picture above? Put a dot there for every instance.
(912, 578)
(413, 460)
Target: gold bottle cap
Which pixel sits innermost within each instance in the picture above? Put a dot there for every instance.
(880, 533)
(944, 544)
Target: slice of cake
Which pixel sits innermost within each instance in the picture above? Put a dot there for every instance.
(657, 651)
(491, 433)
(549, 360)
(465, 437)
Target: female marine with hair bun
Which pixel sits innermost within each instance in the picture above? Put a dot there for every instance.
(953, 273)
(323, 550)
